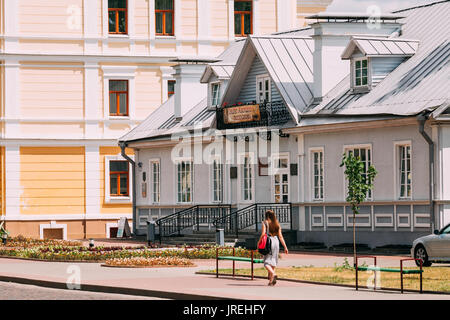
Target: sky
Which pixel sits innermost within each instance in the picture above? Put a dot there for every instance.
(364, 5)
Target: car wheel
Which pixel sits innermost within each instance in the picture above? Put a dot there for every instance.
(421, 253)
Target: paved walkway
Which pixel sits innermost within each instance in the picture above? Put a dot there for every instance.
(183, 283)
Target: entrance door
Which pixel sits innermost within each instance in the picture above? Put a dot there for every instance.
(280, 180)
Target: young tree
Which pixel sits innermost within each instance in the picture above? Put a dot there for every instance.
(360, 182)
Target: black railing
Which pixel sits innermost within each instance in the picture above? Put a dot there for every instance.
(253, 215)
(191, 217)
(271, 114)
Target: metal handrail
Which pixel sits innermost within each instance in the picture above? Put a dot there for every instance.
(251, 215)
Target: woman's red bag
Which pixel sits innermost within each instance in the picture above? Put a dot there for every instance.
(265, 245)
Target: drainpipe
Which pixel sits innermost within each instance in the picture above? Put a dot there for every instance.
(422, 119)
(122, 146)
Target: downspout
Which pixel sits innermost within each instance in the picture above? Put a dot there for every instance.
(422, 119)
(122, 146)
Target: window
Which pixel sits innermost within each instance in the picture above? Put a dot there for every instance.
(164, 17)
(215, 94)
(361, 73)
(217, 177)
(247, 179)
(117, 16)
(263, 89)
(156, 180)
(317, 157)
(281, 179)
(118, 178)
(171, 88)
(184, 181)
(118, 97)
(243, 18)
(365, 155)
(405, 171)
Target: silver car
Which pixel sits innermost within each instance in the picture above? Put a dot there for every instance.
(433, 248)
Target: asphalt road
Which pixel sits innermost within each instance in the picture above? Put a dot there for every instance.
(15, 291)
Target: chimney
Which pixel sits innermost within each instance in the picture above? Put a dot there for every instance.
(188, 89)
(332, 32)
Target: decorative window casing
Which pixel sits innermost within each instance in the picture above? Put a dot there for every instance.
(118, 98)
(263, 89)
(155, 173)
(164, 17)
(217, 180)
(404, 171)
(119, 73)
(317, 176)
(118, 16)
(184, 180)
(247, 177)
(360, 73)
(364, 152)
(118, 179)
(280, 172)
(243, 17)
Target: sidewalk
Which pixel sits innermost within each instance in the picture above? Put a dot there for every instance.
(183, 283)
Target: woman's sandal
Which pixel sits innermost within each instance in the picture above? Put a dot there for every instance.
(274, 280)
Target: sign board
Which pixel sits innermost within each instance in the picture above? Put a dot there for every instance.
(244, 113)
(123, 228)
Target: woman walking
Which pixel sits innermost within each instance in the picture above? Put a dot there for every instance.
(273, 229)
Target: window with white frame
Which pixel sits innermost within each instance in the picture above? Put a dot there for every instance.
(360, 69)
(404, 173)
(215, 94)
(155, 168)
(247, 178)
(263, 86)
(364, 153)
(185, 173)
(118, 179)
(217, 180)
(318, 174)
(280, 180)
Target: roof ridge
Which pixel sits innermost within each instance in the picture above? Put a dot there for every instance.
(421, 6)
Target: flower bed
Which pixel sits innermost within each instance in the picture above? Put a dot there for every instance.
(23, 242)
(149, 262)
(79, 253)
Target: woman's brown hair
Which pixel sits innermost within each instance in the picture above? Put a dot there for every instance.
(274, 225)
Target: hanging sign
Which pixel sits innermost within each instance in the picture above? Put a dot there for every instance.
(244, 113)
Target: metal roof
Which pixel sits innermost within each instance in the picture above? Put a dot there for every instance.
(354, 16)
(420, 83)
(381, 47)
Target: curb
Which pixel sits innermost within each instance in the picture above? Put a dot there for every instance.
(114, 290)
(325, 283)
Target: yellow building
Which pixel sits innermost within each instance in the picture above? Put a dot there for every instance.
(77, 74)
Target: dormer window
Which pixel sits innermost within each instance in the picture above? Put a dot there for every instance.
(361, 73)
(215, 94)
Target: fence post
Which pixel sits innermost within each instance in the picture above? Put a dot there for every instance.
(236, 226)
(256, 217)
(198, 222)
(290, 215)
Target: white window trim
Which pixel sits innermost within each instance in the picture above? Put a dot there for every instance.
(335, 224)
(175, 167)
(166, 76)
(108, 197)
(403, 215)
(357, 146)
(317, 224)
(130, 21)
(119, 73)
(211, 97)
(259, 78)
(273, 171)
(384, 224)
(52, 225)
(211, 178)
(150, 179)
(353, 73)
(241, 157)
(396, 167)
(358, 224)
(420, 224)
(311, 173)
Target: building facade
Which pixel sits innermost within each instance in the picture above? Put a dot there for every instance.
(291, 104)
(78, 74)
